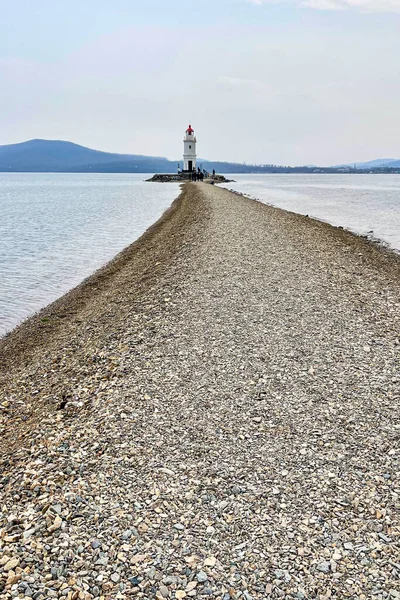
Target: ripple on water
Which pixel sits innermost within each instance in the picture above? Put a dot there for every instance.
(57, 229)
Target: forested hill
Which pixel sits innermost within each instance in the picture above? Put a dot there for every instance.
(60, 156)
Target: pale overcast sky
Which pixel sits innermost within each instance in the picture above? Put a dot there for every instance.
(265, 81)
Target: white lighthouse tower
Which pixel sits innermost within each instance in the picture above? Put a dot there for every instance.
(189, 150)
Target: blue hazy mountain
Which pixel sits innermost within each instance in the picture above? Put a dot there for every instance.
(59, 156)
(374, 164)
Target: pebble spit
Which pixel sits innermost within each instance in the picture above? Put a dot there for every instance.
(215, 414)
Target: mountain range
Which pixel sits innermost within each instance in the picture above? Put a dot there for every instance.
(391, 163)
(61, 156)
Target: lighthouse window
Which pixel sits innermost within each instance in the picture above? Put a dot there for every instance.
(190, 146)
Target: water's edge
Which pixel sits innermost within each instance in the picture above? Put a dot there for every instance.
(70, 303)
(57, 231)
(376, 241)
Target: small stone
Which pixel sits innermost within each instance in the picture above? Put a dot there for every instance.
(191, 586)
(336, 556)
(115, 577)
(11, 564)
(179, 594)
(95, 544)
(127, 534)
(164, 591)
(324, 567)
(170, 580)
(13, 578)
(151, 574)
(137, 558)
(202, 577)
(167, 471)
(210, 561)
(348, 546)
(27, 534)
(56, 525)
(210, 530)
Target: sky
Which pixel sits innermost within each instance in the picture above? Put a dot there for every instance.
(289, 82)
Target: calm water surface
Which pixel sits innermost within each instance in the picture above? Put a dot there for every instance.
(361, 203)
(56, 229)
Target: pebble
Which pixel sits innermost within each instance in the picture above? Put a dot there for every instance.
(324, 567)
(11, 564)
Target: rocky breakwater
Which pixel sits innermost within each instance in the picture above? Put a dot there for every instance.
(213, 415)
(168, 177)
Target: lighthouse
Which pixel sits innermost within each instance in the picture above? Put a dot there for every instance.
(189, 150)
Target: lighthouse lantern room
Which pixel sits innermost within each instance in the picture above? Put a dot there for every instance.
(189, 150)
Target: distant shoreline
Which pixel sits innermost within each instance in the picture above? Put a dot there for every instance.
(261, 171)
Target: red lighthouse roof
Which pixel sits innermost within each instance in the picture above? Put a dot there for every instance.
(189, 129)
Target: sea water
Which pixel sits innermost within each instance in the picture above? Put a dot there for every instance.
(56, 229)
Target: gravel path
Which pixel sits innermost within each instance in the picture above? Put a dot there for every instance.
(214, 415)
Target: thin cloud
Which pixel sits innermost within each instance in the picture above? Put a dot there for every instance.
(359, 5)
(254, 84)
